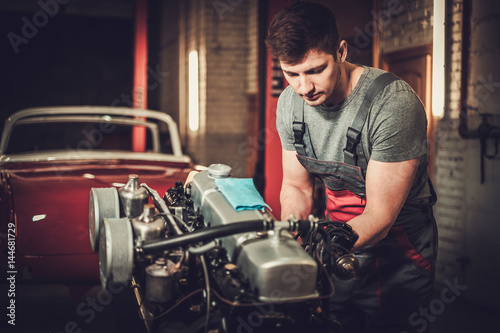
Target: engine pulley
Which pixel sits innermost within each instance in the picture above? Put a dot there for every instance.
(103, 203)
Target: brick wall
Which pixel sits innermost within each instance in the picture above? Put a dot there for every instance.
(467, 211)
(224, 33)
(227, 59)
(482, 225)
(450, 159)
(252, 35)
(405, 24)
(169, 59)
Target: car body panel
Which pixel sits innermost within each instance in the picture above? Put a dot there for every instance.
(46, 196)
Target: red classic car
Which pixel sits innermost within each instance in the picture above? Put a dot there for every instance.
(51, 157)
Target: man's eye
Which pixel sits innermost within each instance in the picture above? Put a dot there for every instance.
(317, 71)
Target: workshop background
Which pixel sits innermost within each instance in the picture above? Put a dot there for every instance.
(82, 53)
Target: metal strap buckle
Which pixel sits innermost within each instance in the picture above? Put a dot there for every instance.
(298, 132)
(353, 138)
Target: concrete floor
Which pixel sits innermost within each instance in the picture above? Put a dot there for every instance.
(55, 308)
(460, 317)
(46, 308)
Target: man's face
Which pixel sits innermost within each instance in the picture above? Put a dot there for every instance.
(315, 78)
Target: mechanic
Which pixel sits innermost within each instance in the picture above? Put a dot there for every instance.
(367, 143)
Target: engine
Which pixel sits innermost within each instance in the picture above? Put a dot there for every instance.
(197, 264)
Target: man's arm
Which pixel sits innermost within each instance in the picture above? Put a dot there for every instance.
(387, 187)
(296, 189)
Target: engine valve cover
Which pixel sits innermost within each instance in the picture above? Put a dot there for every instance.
(277, 267)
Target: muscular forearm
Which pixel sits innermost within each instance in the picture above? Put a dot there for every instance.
(369, 229)
(296, 189)
(295, 201)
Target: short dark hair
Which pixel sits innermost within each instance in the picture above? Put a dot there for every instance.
(302, 27)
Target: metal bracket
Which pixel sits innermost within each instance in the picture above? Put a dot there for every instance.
(487, 131)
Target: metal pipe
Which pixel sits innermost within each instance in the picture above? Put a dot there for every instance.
(140, 71)
(162, 208)
(206, 234)
(146, 316)
(463, 127)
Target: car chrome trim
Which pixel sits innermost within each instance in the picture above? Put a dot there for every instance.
(93, 155)
(95, 110)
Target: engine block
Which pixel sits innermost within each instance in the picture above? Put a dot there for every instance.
(190, 254)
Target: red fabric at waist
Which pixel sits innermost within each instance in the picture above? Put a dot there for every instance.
(343, 205)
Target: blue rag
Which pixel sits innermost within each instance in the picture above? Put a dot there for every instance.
(241, 193)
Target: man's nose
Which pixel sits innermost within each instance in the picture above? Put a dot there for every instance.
(306, 85)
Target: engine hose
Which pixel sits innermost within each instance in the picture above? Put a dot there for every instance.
(162, 208)
(207, 234)
(302, 226)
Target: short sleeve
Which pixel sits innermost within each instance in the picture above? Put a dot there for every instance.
(399, 128)
(284, 119)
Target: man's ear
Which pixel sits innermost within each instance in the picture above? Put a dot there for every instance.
(342, 52)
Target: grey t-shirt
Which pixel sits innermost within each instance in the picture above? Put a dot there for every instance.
(394, 131)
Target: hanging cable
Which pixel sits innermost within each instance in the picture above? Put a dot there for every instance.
(207, 290)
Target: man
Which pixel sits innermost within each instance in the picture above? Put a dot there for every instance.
(370, 152)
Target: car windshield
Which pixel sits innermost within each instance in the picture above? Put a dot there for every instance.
(81, 136)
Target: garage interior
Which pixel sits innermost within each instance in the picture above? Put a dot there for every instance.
(82, 52)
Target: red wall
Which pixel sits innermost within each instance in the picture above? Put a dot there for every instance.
(272, 166)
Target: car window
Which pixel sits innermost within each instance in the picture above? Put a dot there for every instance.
(165, 139)
(81, 136)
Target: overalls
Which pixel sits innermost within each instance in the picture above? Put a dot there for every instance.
(396, 275)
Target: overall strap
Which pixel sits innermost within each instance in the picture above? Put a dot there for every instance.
(354, 132)
(303, 145)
